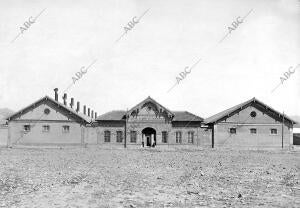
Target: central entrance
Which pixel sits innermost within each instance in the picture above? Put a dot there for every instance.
(149, 137)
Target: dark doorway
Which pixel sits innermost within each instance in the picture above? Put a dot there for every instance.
(296, 139)
(149, 137)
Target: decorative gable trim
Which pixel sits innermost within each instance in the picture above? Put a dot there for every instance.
(157, 108)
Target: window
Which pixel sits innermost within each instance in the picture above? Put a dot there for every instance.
(119, 136)
(274, 131)
(253, 114)
(232, 130)
(26, 128)
(253, 131)
(164, 137)
(106, 136)
(46, 128)
(191, 137)
(47, 111)
(178, 137)
(133, 136)
(66, 129)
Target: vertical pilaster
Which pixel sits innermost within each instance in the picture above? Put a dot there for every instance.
(291, 137)
(9, 136)
(82, 135)
(213, 136)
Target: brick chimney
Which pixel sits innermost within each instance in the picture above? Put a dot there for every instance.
(89, 110)
(78, 107)
(84, 110)
(92, 114)
(95, 115)
(56, 94)
(72, 102)
(65, 98)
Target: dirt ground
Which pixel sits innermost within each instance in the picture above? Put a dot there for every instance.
(98, 177)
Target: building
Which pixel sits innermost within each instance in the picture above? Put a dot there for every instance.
(296, 134)
(251, 124)
(47, 122)
(4, 112)
(3, 134)
(150, 124)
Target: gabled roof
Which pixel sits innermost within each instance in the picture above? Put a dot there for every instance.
(118, 115)
(78, 115)
(231, 111)
(185, 116)
(149, 100)
(115, 115)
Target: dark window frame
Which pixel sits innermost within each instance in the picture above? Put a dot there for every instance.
(253, 131)
(232, 130)
(107, 135)
(27, 127)
(191, 136)
(133, 136)
(119, 137)
(273, 129)
(66, 129)
(178, 135)
(47, 129)
(164, 135)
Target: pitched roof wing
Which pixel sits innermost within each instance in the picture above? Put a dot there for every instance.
(118, 115)
(223, 114)
(115, 115)
(71, 110)
(185, 116)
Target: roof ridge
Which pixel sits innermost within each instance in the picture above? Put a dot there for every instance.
(221, 114)
(150, 98)
(52, 100)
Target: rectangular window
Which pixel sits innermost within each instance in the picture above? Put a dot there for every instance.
(164, 137)
(133, 136)
(232, 130)
(106, 136)
(46, 128)
(191, 137)
(274, 131)
(26, 128)
(178, 137)
(253, 131)
(66, 129)
(119, 136)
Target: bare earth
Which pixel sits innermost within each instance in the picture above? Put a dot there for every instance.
(98, 177)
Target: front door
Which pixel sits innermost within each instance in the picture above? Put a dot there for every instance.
(148, 140)
(149, 136)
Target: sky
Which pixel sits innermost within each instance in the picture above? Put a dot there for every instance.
(171, 36)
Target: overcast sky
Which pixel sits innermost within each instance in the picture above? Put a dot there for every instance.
(172, 35)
